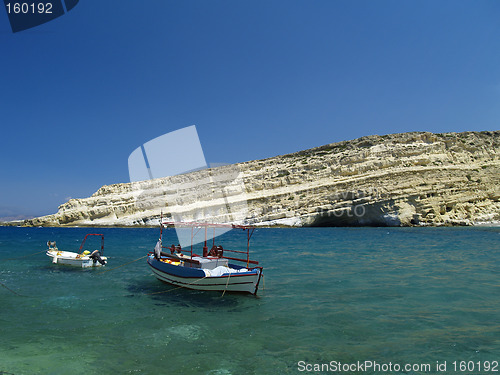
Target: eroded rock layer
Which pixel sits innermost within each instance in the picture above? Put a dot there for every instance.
(394, 180)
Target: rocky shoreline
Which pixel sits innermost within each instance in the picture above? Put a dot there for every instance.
(408, 179)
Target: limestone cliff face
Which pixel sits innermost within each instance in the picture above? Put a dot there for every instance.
(394, 180)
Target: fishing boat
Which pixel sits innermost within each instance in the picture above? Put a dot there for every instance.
(81, 258)
(210, 271)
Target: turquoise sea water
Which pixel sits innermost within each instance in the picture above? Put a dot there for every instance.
(388, 295)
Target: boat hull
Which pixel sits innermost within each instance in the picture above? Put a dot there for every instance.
(72, 259)
(195, 278)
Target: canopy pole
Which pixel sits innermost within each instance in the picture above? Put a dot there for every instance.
(205, 248)
(248, 246)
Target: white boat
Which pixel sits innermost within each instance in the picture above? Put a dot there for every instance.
(210, 271)
(83, 258)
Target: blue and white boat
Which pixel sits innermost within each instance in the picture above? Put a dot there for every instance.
(209, 271)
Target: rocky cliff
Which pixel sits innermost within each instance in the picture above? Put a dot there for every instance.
(391, 180)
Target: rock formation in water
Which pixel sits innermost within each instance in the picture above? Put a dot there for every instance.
(393, 180)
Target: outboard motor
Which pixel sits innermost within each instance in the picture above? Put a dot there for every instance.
(96, 257)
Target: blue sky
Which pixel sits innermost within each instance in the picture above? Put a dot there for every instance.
(257, 78)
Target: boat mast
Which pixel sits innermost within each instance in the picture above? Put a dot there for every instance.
(161, 224)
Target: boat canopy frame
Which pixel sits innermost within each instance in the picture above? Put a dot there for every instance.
(93, 234)
(199, 226)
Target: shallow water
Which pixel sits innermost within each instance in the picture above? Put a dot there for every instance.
(399, 295)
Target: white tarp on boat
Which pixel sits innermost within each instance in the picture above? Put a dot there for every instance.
(221, 270)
